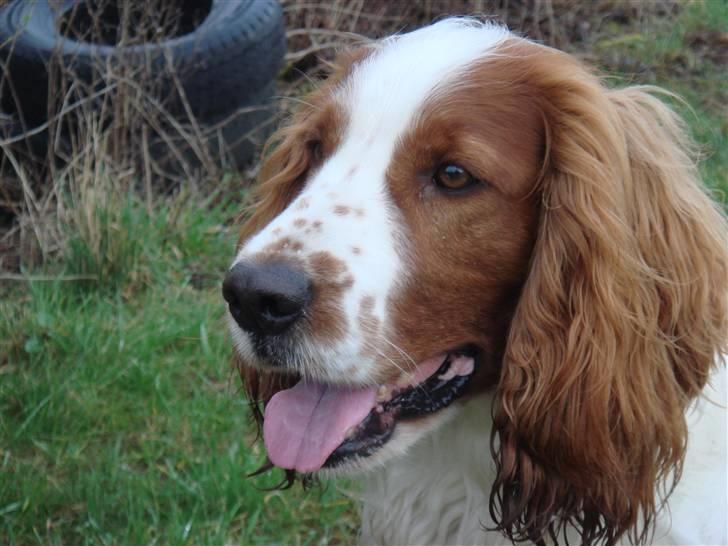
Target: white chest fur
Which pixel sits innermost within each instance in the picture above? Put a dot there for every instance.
(437, 493)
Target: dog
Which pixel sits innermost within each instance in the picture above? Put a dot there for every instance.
(494, 289)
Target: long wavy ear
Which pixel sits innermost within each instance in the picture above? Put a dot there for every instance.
(619, 321)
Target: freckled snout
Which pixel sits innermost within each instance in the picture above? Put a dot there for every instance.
(266, 299)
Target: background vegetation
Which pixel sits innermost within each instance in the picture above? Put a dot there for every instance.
(121, 421)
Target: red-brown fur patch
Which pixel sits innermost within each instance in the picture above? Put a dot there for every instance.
(467, 255)
(326, 318)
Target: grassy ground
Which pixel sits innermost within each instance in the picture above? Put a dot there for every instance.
(120, 419)
(689, 56)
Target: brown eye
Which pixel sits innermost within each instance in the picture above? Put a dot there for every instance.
(449, 176)
(314, 147)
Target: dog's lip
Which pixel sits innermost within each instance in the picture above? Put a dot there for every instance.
(411, 398)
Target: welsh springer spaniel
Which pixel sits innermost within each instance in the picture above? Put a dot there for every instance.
(495, 289)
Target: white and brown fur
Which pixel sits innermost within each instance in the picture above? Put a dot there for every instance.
(590, 267)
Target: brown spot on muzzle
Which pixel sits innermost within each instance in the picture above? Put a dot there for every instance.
(370, 326)
(367, 321)
(330, 276)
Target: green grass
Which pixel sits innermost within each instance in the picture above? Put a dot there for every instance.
(121, 421)
(684, 56)
(120, 418)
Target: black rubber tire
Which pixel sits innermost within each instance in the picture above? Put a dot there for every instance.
(223, 64)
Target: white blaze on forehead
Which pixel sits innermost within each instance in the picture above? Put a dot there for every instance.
(386, 90)
(347, 199)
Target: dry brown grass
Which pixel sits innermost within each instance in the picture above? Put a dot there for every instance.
(318, 28)
(119, 136)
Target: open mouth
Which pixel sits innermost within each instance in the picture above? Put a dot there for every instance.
(316, 425)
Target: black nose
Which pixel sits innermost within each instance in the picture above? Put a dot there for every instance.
(266, 299)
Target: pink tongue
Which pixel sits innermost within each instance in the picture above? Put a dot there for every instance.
(305, 424)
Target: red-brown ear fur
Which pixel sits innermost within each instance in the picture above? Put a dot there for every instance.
(619, 321)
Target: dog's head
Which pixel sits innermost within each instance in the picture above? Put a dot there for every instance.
(458, 210)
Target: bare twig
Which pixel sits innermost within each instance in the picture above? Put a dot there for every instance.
(57, 117)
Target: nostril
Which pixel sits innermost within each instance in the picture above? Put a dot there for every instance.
(279, 307)
(268, 306)
(235, 310)
(228, 294)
